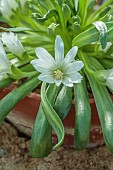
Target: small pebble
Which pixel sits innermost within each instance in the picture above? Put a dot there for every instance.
(3, 153)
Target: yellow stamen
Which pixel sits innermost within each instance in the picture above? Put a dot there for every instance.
(58, 75)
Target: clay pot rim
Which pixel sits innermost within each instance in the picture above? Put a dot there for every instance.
(36, 95)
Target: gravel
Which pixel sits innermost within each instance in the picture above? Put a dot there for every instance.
(14, 155)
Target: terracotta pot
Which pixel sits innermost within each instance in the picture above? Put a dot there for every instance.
(24, 113)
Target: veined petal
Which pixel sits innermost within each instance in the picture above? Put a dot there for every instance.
(67, 82)
(46, 78)
(59, 50)
(74, 67)
(42, 54)
(110, 73)
(6, 7)
(12, 43)
(71, 55)
(2, 76)
(75, 77)
(109, 82)
(3, 70)
(58, 82)
(41, 65)
(3, 57)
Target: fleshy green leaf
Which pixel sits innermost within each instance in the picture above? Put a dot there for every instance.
(101, 27)
(41, 140)
(15, 96)
(5, 82)
(82, 116)
(63, 101)
(52, 117)
(91, 34)
(104, 106)
(16, 29)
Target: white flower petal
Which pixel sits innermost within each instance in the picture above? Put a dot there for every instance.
(59, 50)
(71, 55)
(3, 56)
(75, 77)
(4, 70)
(58, 82)
(46, 78)
(41, 65)
(59, 70)
(110, 73)
(42, 54)
(12, 43)
(4, 61)
(6, 7)
(109, 82)
(74, 67)
(2, 76)
(67, 82)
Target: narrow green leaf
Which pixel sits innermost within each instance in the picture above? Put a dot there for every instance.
(15, 96)
(47, 16)
(52, 117)
(41, 140)
(101, 27)
(91, 35)
(63, 101)
(5, 82)
(17, 29)
(104, 106)
(83, 116)
(107, 63)
(66, 12)
(100, 10)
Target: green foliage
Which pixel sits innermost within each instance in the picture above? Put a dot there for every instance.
(37, 24)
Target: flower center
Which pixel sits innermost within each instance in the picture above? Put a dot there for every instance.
(58, 75)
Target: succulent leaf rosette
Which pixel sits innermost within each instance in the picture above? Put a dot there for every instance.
(61, 46)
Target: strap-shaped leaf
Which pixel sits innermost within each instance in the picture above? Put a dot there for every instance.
(5, 82)
(104, 106)
(83, 6)
(17, 29)
(41, 140)
(101, 27)
(66, 12)
(107, 63)
(91, 35)
(52, 117)
(63, 101)
(15, 96)
(47, 16)
(83, 115)
(100, 10)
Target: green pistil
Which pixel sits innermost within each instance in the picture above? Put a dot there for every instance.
(58, 75)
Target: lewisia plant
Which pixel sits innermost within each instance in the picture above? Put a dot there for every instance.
(64, 47)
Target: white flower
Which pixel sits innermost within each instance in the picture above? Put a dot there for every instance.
(13, 44)
(58, 70)
(4, 62)
(7, 7)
